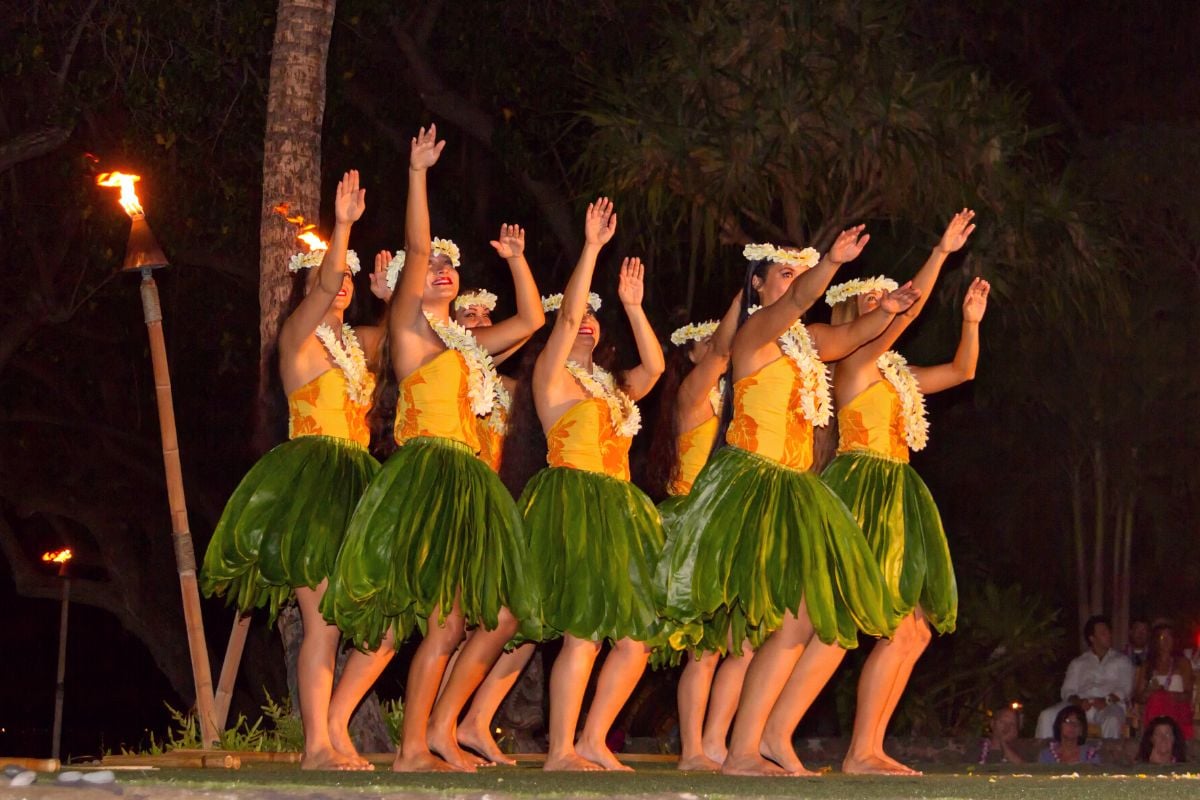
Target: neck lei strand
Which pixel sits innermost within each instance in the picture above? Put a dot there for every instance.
(816, 403)
(348, 356)
(482, 380)
(895, 371)
(626, 419)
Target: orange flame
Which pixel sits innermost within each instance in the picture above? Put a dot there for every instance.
(306, 235)
(129, 198)
(58, 556)
(313, 241)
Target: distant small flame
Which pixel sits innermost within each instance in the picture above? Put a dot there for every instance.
(129, 198)
(58, 556)
(306, 235)
(1016, 706)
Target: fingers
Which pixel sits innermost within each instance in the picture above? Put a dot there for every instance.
(382, 259)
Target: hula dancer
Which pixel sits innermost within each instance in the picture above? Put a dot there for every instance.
(281, 530)
(436, 541)
(689, 411)
(594, 536)
(881, 417)
(761, 544)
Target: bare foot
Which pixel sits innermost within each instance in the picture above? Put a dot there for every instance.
(783, 754)
(751, 765)
(449, 750)
(717, 752)
(698, 763)
(485, 745)
(423, 761)
(600, 754)
(570, 762)
(345, 746)
(870, 765)
(901, 769)
(327, 758)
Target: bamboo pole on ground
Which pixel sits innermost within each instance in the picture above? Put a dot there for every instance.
(229, 668)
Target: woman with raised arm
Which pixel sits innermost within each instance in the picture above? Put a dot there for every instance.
(690, 402)
(881, 416)
(436, 541)
(761, 545)
(281, 530)
(594, 536)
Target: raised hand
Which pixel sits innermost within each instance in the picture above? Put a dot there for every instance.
(957, 232)
(600, 223)
(379, 285)
(975, 303)
(426, 149)
(848, 244)
(511, 243)
(350, 201)
(899, 301)
(631, 286)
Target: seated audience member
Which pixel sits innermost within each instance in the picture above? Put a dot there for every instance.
(1068, 745)
(1162, 743)
(1165, 681)
(1001, 746)
(1139, 641)
(1098, 681)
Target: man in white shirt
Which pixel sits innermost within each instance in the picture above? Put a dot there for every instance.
(1098, 681)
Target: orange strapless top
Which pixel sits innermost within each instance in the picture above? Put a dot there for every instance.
(491, 441)
(434, 402)
(694, 447)
(583, 438)
(872, 421)
(766, 416)
(321, 408)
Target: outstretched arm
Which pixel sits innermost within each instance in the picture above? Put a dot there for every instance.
(962, 368)
(694, 389)
(348, 207)
(835, 342)
(599, 226)
(406, 300)
(638, 382)
(503, 336)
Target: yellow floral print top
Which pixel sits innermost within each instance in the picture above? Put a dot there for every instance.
(694, 446)
(766, 416)
(321, 408)
(873, 421)
(433, 401)
(583, 438)
(491, 441)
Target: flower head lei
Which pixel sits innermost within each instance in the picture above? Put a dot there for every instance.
(438, 247)
(554, 302)
(694, 332)
(479, 298)
(844, 291)
(895, 371)
(348, 355)
(482, 380)
(626, 418)
(816, 404)
(806, 258)
(312, 258)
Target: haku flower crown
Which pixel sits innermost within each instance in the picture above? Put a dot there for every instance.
(312, 258)
(554, 302)
(844, 291)
(438, 247)
(806, 258)
(479, 298)
(694, 332)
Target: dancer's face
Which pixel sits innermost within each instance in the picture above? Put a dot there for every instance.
(868, 301)
(589, 331)
(441, 281)
(345, 294)
(775, 282)
(475, 316)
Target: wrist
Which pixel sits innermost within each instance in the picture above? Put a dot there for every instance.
(411, 168)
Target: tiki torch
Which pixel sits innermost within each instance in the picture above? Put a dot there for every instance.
(142, 254)
(62, 558)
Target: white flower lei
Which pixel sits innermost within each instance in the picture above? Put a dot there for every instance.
(716, 396)
(806, 258)
(497, 419)
(694, 332)
(816, 403)
(844, 291)
(553, 302)
(482, 380)
(438, 247)
(895, 371)
(626, 418)
(480, 298)
(349, 357)
(312, 258)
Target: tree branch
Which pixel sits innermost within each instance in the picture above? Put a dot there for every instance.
(26, 146)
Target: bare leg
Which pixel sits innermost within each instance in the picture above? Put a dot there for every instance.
(453, 658)
(722, 705)
(568, 682)
(621, 671)
(692, 699)
(765, 679)
(424, 676)
(916, 648)
(314, 672)
(474, 661)
(475, 730)
(358, 676)
(808, 678)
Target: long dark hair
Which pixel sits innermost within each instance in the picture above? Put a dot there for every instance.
(525, 443)
(382, 416)
(1178, 747)
(1061, 717)
(662, 463)
(272, 423)
(750, 297)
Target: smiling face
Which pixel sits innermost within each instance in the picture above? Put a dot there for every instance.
(474, 316)
(441, 281)
(589, 331)
(345, 294)
(775, 281)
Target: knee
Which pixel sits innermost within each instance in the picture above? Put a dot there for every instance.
(629, 647)
(506, 623)
(448, 632)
